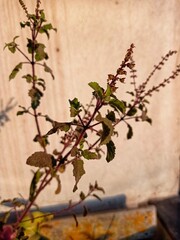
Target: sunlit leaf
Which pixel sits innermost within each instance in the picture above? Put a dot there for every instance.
(89, 154)
(40, 160)
(12, 45)
(28, 77)
(117, 105)
(78, 171)
(40, 53)
(58, 190)
(98, 90)
(15, 71)
(45, 29)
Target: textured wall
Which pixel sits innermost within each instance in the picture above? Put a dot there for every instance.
(91, 41)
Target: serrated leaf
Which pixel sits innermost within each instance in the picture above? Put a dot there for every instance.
(36, 178)
(15, 71)
(40, 160)
(89, 154)
(117, 105)
(78, 171)
(97, 88)
(110, 151)
(48, 70)
(130, 132)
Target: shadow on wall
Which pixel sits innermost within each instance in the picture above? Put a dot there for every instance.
(5, 110)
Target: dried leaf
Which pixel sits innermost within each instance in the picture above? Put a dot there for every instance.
(78, 171)
(40, 160)
(58, 190)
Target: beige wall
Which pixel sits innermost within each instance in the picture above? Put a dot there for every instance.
(92, 38)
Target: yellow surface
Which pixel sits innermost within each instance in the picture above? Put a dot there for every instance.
(114, 226)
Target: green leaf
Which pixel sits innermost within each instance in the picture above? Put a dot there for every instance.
(82, 196)
(130, 132)
(12, 45)
(21, 112)
(36, 178)
(28, 77)
(132, 111)
(15, 71)
(59, 126)
(45, 28)
(108, 93)
(24, 24)
(49, 70)
(117, 105)
(78, 171)
(111, 116)
(40, 160)
(74, 107)
(35, 95)
(98, 90)
(110, 151)
(40, 53)
(89, 154)
(30, 45)
(107, 129)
